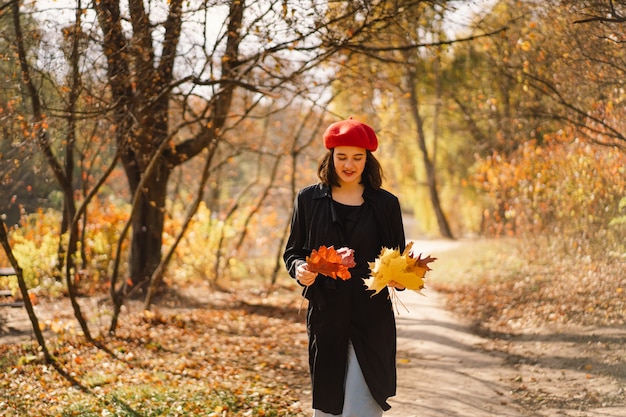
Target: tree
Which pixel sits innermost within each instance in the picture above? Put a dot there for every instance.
(62, 174)
(411, 77)
(24, 177)
(398, 51)
(556, 73)
(145, 80)
(557, 42)
(490, 103)
(178, 80)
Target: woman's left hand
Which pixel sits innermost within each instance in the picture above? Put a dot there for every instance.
(396, 285)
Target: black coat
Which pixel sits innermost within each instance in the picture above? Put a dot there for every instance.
(339, 310)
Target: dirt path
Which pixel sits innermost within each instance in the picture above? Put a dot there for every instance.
(441, 373)
(444, 369)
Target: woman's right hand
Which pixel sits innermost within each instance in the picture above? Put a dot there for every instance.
(304, 276)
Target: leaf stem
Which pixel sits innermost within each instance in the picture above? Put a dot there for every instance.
(303, 298)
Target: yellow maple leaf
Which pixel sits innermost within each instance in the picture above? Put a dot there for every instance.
(405, 269)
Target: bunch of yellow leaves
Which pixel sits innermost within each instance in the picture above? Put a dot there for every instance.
(405, 269)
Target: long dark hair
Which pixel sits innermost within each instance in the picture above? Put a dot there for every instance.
(372, 174)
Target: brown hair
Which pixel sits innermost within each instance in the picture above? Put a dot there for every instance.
(372, 174)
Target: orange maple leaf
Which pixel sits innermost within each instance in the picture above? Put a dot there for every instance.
(423, 262)
(334, 263)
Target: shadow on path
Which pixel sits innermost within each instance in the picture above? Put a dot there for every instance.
(441, 373)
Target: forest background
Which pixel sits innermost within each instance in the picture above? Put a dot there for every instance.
(148, 146)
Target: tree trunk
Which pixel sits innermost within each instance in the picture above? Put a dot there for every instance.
(147, 224)
(431, 176)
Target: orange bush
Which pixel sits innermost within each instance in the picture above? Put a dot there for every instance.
(564, 187)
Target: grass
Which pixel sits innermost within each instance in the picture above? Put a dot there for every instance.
(474, 261)
(509, 284)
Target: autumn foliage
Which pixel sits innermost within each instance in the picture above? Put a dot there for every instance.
(38, 234)
(227, 359)
(563, 186)
(334, 263)
(404, 268)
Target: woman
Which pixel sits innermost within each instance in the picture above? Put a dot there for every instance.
(352, 334)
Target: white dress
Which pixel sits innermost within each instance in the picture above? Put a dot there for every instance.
(358, 401)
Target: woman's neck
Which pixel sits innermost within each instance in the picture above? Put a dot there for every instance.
(349, 194)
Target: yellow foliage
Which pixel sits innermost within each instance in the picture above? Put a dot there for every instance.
(405, 269)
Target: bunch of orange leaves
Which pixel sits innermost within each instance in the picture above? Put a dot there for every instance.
(334, 263)
(404, 268)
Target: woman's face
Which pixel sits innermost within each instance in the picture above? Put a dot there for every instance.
(349, 163)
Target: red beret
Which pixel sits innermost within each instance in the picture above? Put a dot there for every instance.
(350, 133)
